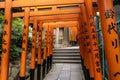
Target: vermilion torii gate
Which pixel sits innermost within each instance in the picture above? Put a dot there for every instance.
(87, 34)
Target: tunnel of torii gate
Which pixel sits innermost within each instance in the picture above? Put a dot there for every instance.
(53, 14)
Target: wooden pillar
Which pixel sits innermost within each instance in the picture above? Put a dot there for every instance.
(84, 55)
(6, 40)
(45, 51)
(50, 40)
(48, 49)
(39, 50)
(83, 60)
(93, 41)
(51, 45)
(87, 41)
(24, 44)
(33, 51)
(110, 37)
(86, 52)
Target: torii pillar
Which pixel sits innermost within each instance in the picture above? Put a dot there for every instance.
(110, 38)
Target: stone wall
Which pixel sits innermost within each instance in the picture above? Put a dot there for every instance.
(14, 68)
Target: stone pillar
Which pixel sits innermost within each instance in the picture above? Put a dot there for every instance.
(66, 37)
(57, 35)
(66, 34)
(57, 38)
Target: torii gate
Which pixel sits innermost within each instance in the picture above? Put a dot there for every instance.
(69, 24)
(109, 34)
(48, 55)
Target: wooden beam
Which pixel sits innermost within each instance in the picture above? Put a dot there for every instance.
(57, 17)
(62, 24)
(57, 20)
(52, 12)
(32, 3)
(64, 20)
(49, 12)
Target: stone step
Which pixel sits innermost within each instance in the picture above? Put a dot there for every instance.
(66, 61)
(65, 51)
(66, 54)
(66, 58)
(67, 48)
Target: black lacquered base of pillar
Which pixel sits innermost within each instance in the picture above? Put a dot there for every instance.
(91, 78)
(50, 61)
(44, 69)
(86, 71)
(88, 74)
(32, 74)
(85, 74)
(39, 72)
(48, 64)
(22, 78)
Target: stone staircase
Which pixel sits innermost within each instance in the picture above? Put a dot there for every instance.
(66, 55)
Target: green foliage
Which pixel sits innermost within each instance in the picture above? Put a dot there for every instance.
(14, 52)
(1, 17)
(17, 27)
(1, 23)
(16, 37)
